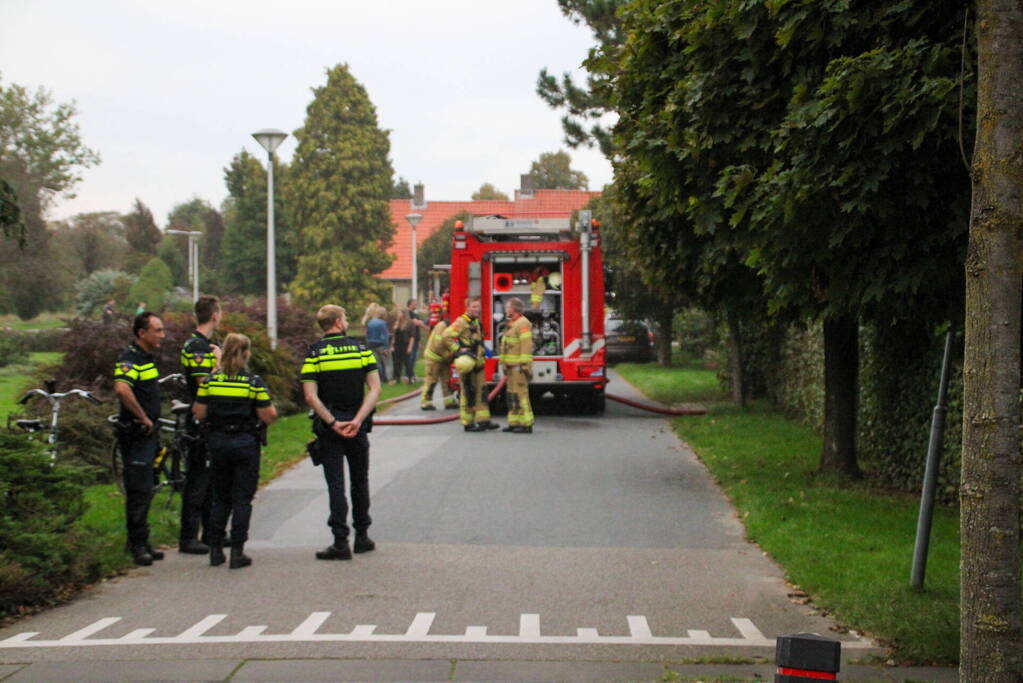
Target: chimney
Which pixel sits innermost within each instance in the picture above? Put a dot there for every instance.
(418, 198)
(526, 186)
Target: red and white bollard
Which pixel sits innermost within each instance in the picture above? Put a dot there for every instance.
(807, 658)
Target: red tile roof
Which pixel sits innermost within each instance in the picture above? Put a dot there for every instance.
(543, 203)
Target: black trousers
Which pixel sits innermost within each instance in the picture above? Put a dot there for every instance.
(138, 454)
(234, 477)
(196, 497)
(335, 450)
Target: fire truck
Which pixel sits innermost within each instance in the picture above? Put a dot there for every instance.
(555, 267)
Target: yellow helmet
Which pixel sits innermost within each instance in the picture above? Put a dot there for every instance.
(554, 280)
(465, 364)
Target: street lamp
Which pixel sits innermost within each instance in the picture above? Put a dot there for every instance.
(193, 257)
(413, 220)
(270, 138)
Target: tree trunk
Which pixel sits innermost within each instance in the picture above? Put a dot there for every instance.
(991, 644)
(841, 387)
(735, 358)
(665, 318)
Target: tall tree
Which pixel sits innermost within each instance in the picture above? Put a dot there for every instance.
(41, 159)
(198, 215)
(401, 189)
(991, 627)
(11, 224)
(140, 230)
(488, 191)
(243, 251)
(585, 104)
(338, 195)
(91, 241)
(553, 171)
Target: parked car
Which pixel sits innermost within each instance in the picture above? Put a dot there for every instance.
(628, 340)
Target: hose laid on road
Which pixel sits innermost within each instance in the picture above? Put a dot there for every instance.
(657, 409)
(397, 399)
(388, 422)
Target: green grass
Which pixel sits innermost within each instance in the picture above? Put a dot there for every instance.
(43, 321)
(849, 546)
(684, 382)
(15, 379)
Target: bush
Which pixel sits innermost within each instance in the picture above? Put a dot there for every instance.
(279, 369)
(93, 292)
(153, 286)
(39, 504)
(296, 327)
(12, 348)
(697, 332)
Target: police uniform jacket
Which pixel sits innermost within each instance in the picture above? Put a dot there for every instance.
(339, 365)
(137, 369)
(197, 361)
(231, 401)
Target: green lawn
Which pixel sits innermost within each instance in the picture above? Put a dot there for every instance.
(43, 321)
(847, 545)
(15, 379)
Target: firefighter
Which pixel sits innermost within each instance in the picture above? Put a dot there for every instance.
(199, 357)
(234, 405)
(517, 361)
(438, 369)
(135, 382)
(464, 339)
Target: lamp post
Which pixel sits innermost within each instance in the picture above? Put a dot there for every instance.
(193, 257)
(270, 138)
(413, 220)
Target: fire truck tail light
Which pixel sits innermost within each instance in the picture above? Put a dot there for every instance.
(591, 370)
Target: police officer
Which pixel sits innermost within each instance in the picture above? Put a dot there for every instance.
(464, 338)
(335, 377)
(199, 356)
(438, 369)
(233, 403)
(517, 361)
(135, 382)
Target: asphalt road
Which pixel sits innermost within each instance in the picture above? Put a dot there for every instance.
(595, 539)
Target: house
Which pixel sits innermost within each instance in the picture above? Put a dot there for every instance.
(527, 202)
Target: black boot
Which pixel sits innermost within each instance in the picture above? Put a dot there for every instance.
(338, 551)
(157, 554)
(141, 556)
(488, 425)
(363, 543)
(193, 547)
(216, 555)
(474, 428)
(238, 558)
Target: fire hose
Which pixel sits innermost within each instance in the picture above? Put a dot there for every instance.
(430, 420)
(657, 409)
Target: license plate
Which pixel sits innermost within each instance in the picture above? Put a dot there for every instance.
(627, 340)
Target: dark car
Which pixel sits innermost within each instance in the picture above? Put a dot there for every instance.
(628, 340)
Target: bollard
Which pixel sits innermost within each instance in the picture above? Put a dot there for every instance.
(806, 657)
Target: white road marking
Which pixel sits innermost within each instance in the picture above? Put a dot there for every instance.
(418, 632)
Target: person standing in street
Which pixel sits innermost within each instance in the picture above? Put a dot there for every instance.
(377, 336)
(341, 385)
(438, 369)
(199, 357)
(517, 362)
(417, 332)
(401, 345)
(234, 405)
(137, 388)
(464, 339)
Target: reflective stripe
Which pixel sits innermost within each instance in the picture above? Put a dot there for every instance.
(151, 373)
(340, 364)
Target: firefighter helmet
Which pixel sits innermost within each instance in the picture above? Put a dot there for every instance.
(554, 280)
(465, 364)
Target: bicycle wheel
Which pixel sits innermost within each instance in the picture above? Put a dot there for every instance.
(117, 466)
(178, 458)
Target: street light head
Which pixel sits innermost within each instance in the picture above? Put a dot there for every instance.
(413, 219)
(270, 138)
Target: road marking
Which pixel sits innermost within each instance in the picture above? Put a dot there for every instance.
(417, 632)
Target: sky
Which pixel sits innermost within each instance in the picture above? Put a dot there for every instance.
(168, 92)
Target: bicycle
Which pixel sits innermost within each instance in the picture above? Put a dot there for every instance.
(55, 398)
(169, 468)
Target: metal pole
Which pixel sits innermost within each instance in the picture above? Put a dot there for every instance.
(923, 525)
(195, 273)
(271, 272)
(415, 276)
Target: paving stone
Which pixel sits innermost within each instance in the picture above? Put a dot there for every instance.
(345, 670)
(181, 670)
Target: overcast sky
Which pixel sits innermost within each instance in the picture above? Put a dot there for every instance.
(168, 92)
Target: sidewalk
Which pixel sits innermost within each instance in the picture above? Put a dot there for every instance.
(432, 670)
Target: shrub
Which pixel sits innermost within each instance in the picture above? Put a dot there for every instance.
(39, 504)
(279, 369)
(92, 292)
(153, 285)
(296, 327)
(12, 348)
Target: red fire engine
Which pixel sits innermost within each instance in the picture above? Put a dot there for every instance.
(556, 269)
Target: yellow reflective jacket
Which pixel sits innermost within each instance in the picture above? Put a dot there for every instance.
(517, 343)
(465, 332)
(436, 348)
